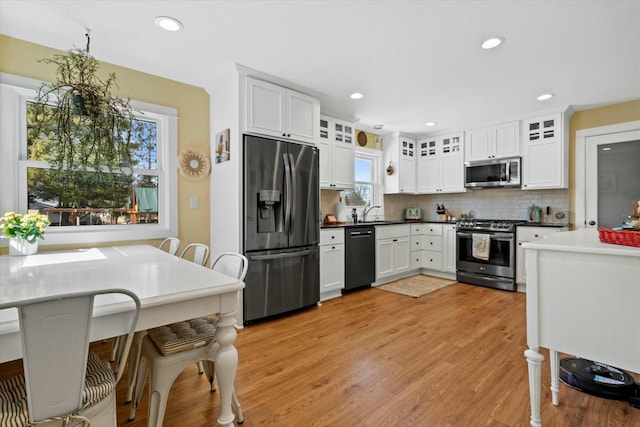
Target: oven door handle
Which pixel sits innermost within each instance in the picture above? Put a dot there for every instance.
(492, 236)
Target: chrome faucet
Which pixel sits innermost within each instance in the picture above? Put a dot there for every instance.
(365, 211)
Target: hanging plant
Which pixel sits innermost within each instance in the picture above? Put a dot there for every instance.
(89, 127)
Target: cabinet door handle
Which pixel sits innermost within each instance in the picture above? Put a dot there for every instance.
(333, 237)
(535, 235)
(395, 240)
(333, 247)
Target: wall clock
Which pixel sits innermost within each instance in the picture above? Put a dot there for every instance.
(193, 164)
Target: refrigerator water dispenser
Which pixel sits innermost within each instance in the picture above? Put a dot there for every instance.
(269, 205)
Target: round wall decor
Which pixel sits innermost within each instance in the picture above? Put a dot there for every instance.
(362, 138)
(193, 164)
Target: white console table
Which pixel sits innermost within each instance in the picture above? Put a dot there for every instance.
(583, 298)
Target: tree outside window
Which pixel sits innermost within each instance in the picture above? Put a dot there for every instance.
(363, 192)
(73, 197)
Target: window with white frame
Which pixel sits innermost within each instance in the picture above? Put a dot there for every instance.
(367, 191)
(136, 202)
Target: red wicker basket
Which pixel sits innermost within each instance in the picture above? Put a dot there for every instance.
(620, 237)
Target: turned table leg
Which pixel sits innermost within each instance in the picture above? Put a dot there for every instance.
(226, 364)
(534, 359)
(555, 377)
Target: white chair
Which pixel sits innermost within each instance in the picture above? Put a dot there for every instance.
(200, 253)
(172, 242)
(163, 357)
(63, 381)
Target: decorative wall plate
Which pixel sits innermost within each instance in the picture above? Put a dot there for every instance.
(362, 138)
(193, 164)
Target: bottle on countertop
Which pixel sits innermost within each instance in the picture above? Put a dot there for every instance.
(354, 216)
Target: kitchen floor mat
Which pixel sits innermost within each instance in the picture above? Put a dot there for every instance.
(416, 286)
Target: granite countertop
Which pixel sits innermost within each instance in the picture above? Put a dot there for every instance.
(542, 224)
(390, 222)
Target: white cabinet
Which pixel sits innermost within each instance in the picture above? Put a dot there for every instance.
(331, 263)
(426, 246)
(392, 250)
(545, 153)
(279, 112)
(493, 142)
(449, 254)
(440, 167)
(529, 234)
(433, 247)
(400, 153)
(337, 156)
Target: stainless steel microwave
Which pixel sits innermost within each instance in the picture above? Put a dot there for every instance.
(493, 173)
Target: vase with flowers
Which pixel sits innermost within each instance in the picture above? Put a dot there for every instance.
(23, 232)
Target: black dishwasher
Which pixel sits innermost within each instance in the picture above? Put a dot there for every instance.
(360, 257)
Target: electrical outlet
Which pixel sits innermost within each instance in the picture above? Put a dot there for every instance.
(193, 203)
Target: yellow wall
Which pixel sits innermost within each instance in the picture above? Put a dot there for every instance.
(20, 58)
(595, 117)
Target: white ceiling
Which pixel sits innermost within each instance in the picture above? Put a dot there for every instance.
(416, 61)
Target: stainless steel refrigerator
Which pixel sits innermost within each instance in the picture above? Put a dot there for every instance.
(281, 227)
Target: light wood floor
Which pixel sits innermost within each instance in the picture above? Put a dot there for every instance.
(374, 358)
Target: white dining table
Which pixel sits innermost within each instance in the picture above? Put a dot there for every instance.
(171, 289)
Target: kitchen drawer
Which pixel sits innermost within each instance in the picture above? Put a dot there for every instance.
(332, 236)
(392, 231)
(528, 234)
(426, 259)
(433, 229)
(430, 243)
(417, 258)
(419, 229)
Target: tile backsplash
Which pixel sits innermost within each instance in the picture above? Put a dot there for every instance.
(499, 203)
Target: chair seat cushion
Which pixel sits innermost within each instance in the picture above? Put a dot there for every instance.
(99, 383)
(183, 336)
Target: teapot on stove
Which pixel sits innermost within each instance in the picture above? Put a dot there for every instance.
(535, 214)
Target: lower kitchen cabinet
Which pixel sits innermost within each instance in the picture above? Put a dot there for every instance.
(433, 247)
(449, 254)
(426, 246)
(529, 234)
(331, 263)
(392, 250)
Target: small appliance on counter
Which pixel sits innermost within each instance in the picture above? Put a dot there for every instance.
(413, 214)
(535, 214)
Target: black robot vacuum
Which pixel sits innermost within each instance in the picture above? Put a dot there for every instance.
(600, 380)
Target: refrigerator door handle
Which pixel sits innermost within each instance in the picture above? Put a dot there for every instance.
(287, 189)
(279, 256)
(294, 185)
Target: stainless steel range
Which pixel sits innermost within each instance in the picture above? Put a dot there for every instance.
(487, 252)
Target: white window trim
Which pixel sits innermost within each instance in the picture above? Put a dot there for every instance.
(378, 194)
(14, 91)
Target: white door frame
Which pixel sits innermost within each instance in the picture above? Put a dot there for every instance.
(579, 195)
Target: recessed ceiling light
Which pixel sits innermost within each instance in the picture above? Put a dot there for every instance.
(492, 42)
(378, 127)
(431, 123)
(545, 96)
(357, 95)
(168, 23)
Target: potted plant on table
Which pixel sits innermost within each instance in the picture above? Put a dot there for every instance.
(23, 232)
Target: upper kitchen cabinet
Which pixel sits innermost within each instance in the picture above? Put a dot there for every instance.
(279, 112)
(440, 164)
(493, 142)
(400, 153)
(545, 152)
(337, 156)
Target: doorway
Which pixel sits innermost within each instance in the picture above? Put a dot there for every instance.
(607, 174)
